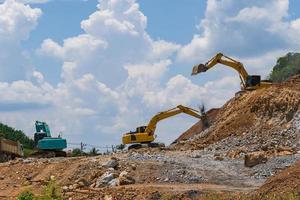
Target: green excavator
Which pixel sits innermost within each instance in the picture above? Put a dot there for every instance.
(45, 144)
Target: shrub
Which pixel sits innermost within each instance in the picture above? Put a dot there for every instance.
(26, 195)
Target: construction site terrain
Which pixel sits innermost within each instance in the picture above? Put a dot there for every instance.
(247, 149)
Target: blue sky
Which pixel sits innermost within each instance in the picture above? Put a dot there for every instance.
(96, 69)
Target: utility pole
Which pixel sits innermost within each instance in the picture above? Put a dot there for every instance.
(82, 147)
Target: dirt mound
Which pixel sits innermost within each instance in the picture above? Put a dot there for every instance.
(285, 182)
(265, 119)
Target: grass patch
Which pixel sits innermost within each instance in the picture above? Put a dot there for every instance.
(51, 192)
(27, 152)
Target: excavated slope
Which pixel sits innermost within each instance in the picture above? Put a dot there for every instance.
(286, 182)
(263, 119)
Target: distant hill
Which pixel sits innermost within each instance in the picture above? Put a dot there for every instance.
(16, 135)
(286, 67)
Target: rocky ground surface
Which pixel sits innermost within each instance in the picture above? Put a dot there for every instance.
(142, 174)
(250, 146)
(263, 120)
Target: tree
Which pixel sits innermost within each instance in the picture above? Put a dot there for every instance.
(76, 152)
(94, 152)
(120, 147)
(285, 67)
(16, 135)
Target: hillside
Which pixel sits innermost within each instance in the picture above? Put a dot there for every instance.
(16, 135)
(287, 181)
(286, 67)
(266, 119)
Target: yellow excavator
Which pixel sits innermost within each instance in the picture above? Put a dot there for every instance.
(248, 82)
(145, 134)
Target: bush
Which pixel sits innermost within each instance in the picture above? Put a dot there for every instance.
(51, 192)
(94, 152)
(26, 195)
(76, 152)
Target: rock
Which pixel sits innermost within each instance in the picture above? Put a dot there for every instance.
(75, 185)
(71, 187)
(105, 179)
(69, 194)
(195, 155)
(125, 179)
(93, 185)
(65, 188)
(220, 158)
(284, 153)
(111, 164)
(114, 182)
(82, 182)
(28, 178)
(108, 197)
(133, 167)
(255, 158)
(28, 160)
(2, 177)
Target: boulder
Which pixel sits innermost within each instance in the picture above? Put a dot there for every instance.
(111, 164)
(105, 179)
(255, 158)
(125, 179)
(114, 182)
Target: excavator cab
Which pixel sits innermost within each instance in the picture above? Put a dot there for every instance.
(141, 129)
(253, 80)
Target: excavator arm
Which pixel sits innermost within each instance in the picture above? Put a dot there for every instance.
(222, 59)
(169, 113)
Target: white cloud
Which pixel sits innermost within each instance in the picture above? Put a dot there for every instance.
(114, 76)
(244, 29)
(16, 22)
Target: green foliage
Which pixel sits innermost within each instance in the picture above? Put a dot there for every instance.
(286, 67)
(27, 152)
(93, 152)
(26, 195)
(120, 146)
(51, 192)
(16, 135)
(76, 152)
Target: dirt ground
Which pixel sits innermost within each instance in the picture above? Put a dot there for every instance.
(202, 160)
(158, 174)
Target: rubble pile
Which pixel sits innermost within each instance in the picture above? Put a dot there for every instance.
(262, 120)
(287, 181)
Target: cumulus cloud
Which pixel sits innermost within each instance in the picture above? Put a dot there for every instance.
(114, 76)
(16, 22)
(244, 29)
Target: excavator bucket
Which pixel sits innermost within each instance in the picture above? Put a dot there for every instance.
(198, 69)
